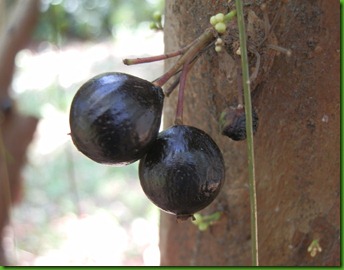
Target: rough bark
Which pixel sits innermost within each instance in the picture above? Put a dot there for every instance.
(296, 146)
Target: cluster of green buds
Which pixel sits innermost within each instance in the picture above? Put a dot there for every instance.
(220, 20)
(156, 24)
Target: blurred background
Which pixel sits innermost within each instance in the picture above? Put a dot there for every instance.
(73, 211)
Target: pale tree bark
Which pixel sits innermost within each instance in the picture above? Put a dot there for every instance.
(296, 146)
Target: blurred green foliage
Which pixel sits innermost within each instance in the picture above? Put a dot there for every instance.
(63, 181)
(51, 95)
(91, 19)
(50, 196)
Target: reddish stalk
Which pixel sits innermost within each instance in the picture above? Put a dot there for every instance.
(179, 112)
(170, 89)
(149, 59)
(198, 45)
(188, 54)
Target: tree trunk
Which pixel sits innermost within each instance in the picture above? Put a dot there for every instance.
(296, 145)
(16, 130)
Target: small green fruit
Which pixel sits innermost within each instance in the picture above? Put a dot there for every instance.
(153, 26)
(220, 17)
(220, 27)
(203, 226)
(213, 20)
(218, 48)
(157, 16)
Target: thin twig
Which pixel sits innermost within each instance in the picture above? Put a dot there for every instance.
(249, 131)
(174, 84)
(155, 58)
(149, 59)
(180, 104)
(200, 43)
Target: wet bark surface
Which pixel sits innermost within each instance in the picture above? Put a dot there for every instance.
(296, 145)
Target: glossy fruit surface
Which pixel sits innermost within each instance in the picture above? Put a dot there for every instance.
(115, 117)
(233, 123)
(183, 171)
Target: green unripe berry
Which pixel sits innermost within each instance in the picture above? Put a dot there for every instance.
(218, 48)
(213, 20)
(220, 17)
(203, 226)
(220, 27)
(219, 42)
(153, 26)
(157, 16)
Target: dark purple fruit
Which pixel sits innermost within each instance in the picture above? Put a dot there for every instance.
(183, 171)
(233, 123)
(115, 117)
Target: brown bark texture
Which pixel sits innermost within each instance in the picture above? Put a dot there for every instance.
(297, 145)
(16, 130)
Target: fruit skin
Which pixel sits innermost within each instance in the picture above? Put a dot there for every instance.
(115, 117)
(233, 123)
(183, 171)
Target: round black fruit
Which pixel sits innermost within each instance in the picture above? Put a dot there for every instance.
(233, 123)
(183, 171)
(115, 117)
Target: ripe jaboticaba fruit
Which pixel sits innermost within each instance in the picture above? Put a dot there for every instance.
(233, 123)
(183, 171)
(115, 117)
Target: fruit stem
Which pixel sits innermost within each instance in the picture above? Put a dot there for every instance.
(230, 15)
(149, 59)
(180, 104)
(135, 61)
(170, 89)
(249, 131)
(201, 42)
